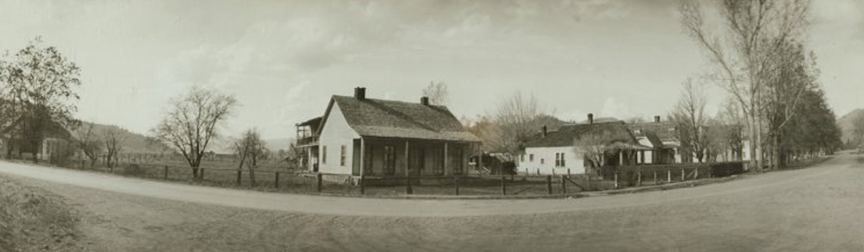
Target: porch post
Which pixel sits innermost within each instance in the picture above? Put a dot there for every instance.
(447, 170)
(621, 158)
(406, 159)
(362, 158)
(480, 158)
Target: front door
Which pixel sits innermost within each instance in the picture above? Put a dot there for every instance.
(416, 161)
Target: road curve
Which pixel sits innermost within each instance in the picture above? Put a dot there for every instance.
(346, 206)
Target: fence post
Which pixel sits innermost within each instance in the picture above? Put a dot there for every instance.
(655, 177)
(683, 175)
(568, 172)
(548, 184)
(696, 173)
(563, 185)
(639, 178)
(166, 173)
(503, 185)
(201, 174)
(668, 176)
(616, 180)
(588, 181)
(456, 184)
(538, 171)
(239, 174)
(408, 189)
(276, 181)
(320, 179)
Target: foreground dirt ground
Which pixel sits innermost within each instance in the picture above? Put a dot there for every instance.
(815, 209)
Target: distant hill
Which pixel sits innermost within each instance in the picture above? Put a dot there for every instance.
(846, 123)
(132, 142)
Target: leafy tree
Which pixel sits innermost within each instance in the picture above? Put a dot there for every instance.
(193, 121)
(38, 91)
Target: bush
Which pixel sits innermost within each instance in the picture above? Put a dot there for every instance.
(727, 169)
(133, 170)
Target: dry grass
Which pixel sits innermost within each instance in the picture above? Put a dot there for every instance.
(31, 220)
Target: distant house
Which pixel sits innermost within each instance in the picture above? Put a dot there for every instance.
(358, 135)
(555, 152)
(662, 137)
(56, 141)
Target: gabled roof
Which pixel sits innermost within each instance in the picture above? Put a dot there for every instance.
(566, 135)
(396, 119)
(651, 136)
(665, 131)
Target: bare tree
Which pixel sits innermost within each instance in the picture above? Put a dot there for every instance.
(754, 34)
(437, 93)
(515, 122)
(113, 146)
(250, 148)
(87, 141)
(193, 121)
(594, 144)
(689, 117)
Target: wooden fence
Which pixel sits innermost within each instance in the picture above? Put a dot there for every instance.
(296, 181)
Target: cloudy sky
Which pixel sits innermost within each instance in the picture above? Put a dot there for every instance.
(284, 59)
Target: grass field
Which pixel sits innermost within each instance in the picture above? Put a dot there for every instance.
(34, 220)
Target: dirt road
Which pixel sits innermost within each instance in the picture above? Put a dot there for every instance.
(815, 209)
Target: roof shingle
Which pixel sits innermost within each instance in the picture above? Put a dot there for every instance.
(396, 119)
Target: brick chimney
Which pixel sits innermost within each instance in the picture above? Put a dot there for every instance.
(590, 118)
(360, 93)
(545, 131)
(657, 118)
(424, 100)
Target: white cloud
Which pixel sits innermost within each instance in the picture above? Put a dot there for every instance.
(620, 110)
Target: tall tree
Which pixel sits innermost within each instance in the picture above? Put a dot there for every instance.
(689, 117)
(753, 36)
(437, 93)
(38, 91)
(793, 74)
(858, 130)
(193, 121)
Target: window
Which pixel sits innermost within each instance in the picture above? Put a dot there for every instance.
(324, 154)
(542, 161)
(522, 158)
(389, 160)
(342, 156)
(559, 160)
(531, 158)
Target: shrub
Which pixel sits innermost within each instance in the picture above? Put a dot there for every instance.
(727, 169)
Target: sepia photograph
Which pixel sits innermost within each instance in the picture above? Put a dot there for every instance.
(431, 125)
